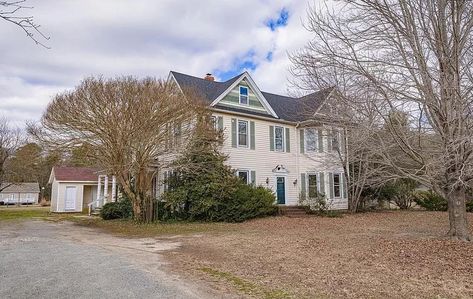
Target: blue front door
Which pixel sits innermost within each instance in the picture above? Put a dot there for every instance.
(280, 190)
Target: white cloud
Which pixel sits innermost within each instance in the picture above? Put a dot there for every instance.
(141, 38)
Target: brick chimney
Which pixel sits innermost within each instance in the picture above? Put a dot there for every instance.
(209, 77)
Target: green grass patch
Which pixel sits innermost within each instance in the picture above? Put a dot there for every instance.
(246, 286)
(130, 228)
(19, 213)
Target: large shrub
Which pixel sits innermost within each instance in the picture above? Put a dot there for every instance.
(121, 209)
(430, 201)
(205, 189)
(400, 192)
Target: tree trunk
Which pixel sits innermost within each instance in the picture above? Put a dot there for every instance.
(457, 215)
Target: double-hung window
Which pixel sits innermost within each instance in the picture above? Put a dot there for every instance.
(311, 139)
(335, 140)
(244, 175)
(244, 96)
(337, 189)
(312, 184)
(243, 133)
(279, 139)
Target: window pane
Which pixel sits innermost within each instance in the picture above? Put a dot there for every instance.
(242, 133)
(312, 185)
(335, 140)
(243, 95)
(243, 175)
(311, 139)
(336, 185)
(279, 138)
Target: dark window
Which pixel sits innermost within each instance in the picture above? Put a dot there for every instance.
(244, 176)
(336, 185)
(312, 185)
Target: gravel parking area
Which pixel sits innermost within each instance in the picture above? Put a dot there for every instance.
(371, 255)
(40, 259)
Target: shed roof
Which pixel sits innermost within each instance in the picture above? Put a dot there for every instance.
(75, 174)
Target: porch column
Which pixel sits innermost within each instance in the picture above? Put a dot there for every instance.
(99, 190)
(114, 188)
(105, 190)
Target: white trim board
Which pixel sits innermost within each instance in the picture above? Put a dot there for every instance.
(255, 88)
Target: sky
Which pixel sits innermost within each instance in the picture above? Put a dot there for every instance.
(145, 38)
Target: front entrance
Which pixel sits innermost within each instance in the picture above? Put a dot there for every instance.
(281, 190)
(70, 198)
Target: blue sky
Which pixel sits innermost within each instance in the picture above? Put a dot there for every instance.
(146, 38)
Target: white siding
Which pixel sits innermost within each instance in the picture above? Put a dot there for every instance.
(60, 197)
(263, 161)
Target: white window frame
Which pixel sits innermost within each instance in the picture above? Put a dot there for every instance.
(283, 139)
(316, 138)
(214, 120)
(247, 133)
(337, 137)
(248, 173)
(247, 95)
(339, 185)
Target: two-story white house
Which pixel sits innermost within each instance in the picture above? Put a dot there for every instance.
(290, 145)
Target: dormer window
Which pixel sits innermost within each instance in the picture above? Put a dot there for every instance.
(244, 95)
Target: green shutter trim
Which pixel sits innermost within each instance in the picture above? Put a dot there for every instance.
(271, 138)
(342, 141)
(234, 132)
(330, 180)
(252, 135)
(322, 182)
(302, 140)
(329, 140)
(303, 189)
(253, 177)
(321, 140)
(344, 185)
(220, 122)
(288, 141)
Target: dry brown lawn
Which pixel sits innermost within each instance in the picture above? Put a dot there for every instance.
(371, 255)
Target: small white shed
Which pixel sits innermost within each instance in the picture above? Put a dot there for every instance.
(74, 189)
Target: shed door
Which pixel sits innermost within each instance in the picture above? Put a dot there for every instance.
(70, 199)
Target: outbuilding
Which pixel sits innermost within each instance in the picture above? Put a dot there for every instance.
(19, 193)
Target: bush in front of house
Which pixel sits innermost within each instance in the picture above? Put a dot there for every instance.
(400, 192)
(430, 201)
(203, 188)
(121, 209)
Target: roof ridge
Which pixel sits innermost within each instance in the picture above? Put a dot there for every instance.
(221, 82)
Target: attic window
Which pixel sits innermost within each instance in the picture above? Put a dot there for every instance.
(244, 95)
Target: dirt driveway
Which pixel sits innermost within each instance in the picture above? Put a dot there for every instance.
(40, 259)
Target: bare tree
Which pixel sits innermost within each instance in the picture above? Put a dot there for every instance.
(12, 11)
(131, 124)
(10, 140)
(410, 55)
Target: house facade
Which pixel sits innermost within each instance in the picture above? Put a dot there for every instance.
(291, 145)
(19, 193)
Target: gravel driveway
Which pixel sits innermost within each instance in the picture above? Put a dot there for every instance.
(40, 259)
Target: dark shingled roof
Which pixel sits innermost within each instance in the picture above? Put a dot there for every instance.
(287, 108)
(75, 174)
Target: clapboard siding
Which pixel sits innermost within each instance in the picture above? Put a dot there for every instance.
(233, 98)
(263, 160)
